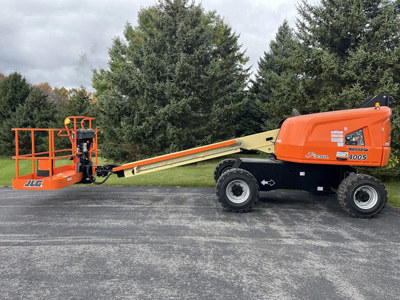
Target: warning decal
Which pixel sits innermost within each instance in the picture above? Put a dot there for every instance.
(337, 136)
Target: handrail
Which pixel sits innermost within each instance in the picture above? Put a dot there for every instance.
(43, 153)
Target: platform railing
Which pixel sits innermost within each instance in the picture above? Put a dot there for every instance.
(52, 154)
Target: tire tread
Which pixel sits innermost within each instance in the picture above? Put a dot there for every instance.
(229, 173)
(227, 162)
(344, 189)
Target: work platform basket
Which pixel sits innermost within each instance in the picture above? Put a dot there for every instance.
(45, 174)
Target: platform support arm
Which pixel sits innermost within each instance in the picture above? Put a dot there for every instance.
(264, 142)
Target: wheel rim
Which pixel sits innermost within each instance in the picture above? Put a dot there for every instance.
(365, 197)
(238, 191)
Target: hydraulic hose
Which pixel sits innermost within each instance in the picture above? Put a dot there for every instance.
(104, 180)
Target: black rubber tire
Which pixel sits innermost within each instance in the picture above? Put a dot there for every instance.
(229, 177)
(223, 166)
(348, 188)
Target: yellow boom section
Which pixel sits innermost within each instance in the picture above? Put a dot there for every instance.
(264, 142)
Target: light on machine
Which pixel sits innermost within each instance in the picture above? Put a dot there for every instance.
(377, 105)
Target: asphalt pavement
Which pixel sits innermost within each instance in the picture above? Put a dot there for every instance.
(179, 243)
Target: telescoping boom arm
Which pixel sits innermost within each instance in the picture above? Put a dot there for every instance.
(264, 142)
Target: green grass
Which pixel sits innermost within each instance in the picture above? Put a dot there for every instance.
(7, 169)
(200, 174)
(393, 188)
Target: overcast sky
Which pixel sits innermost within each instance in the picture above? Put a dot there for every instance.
(62, 41)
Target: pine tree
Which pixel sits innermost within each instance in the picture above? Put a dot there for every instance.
(350, 50)
(36, 112)
(250, 117)
(13, 91)
(277, 83)
(175, 81)
(78, 103)
(345, 51)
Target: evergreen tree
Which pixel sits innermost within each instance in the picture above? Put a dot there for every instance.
(349, 50)
(36, 112)
(174, 82)
(250, 117)
(277, 83)
(343, 51)
(78, 103)
(13, 91)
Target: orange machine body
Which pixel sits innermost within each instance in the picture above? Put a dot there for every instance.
(358, 137)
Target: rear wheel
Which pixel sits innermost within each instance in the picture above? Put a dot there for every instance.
(362, 196)
(224, 165)
(237, 190)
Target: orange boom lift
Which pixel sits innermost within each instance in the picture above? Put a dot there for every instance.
(315, 152)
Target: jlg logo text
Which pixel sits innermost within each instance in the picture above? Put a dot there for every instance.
(34, 183)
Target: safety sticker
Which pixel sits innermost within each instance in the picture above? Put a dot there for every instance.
(337, 136)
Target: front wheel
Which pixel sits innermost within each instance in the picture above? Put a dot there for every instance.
(237, 190)
(362, 196)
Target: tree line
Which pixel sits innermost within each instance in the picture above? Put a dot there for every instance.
(37, 106)
(179, 79)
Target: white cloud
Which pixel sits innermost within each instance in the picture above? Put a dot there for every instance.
(256, 21)
(61, 41)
